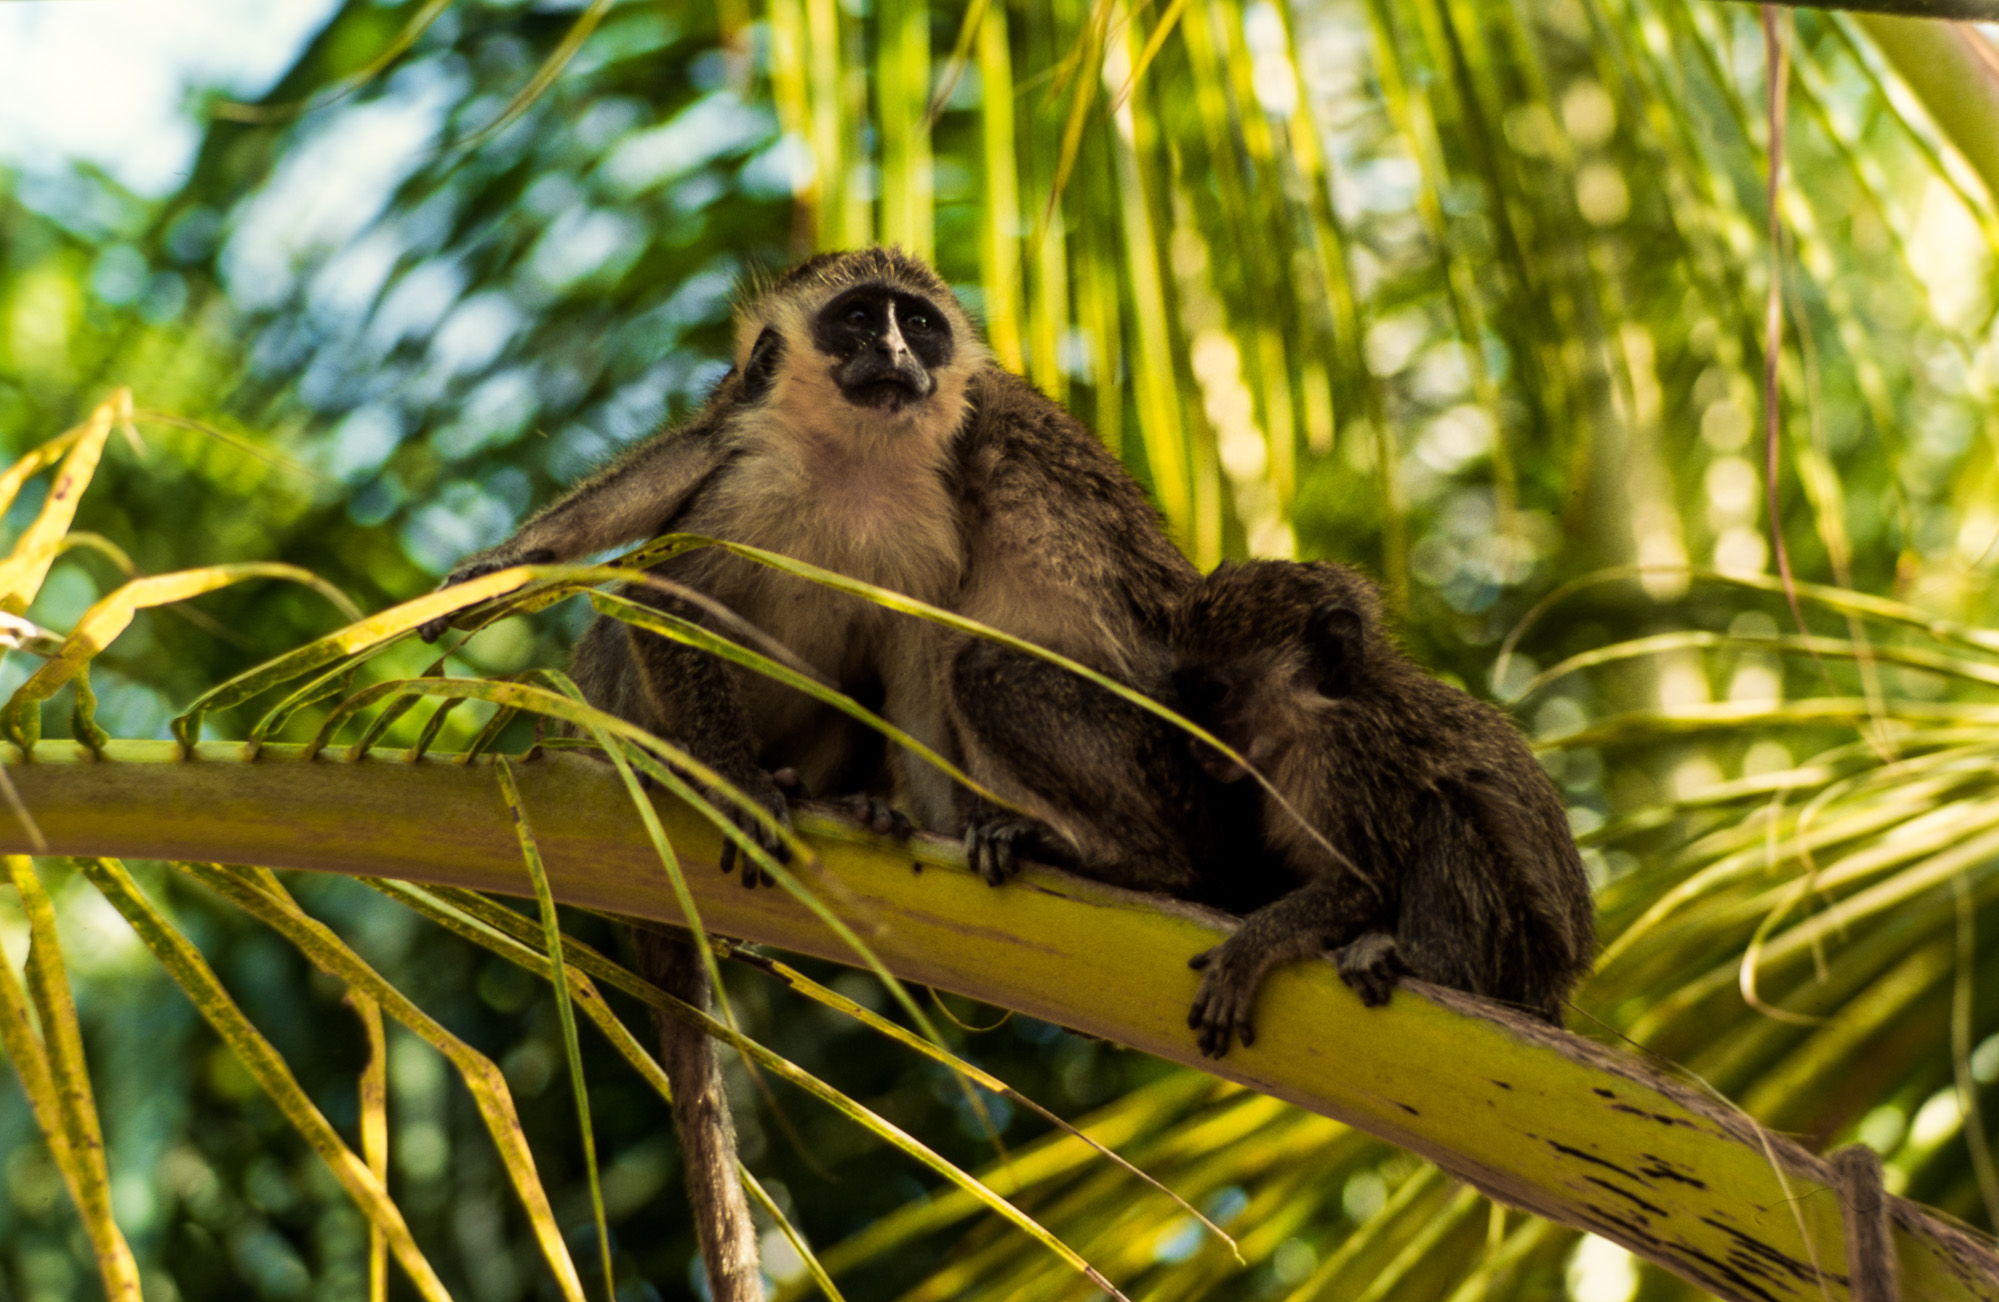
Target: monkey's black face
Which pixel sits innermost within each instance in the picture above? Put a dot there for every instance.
(887, 345)
(1213, 699)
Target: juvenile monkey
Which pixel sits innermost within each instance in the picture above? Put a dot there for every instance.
(864, 428)
(1455, 861)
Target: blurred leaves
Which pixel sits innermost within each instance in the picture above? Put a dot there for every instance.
(1469, 295)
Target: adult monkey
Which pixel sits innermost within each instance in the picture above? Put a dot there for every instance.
(865, 429)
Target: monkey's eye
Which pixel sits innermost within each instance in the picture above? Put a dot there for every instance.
(917, 321)
(857, 316)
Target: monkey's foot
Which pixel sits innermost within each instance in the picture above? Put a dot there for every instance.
(1230, 975)
(995, 844)
(765, 791)
(877, 815)
(1371, 965)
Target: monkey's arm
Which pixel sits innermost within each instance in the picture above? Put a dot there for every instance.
(638, 496)
(1063, 550)
(1326, 913)
(1114, 785)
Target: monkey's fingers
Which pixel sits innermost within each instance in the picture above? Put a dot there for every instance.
(975, 854)
(432, 629)
(753, 872)
(1217, 1016)
(769, 839)
(1230, 977)
(877, 815)
(1371, 966)
(767, 791)
(1212, 1037)
(993, 846)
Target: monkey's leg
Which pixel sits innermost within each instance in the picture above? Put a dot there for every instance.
(689, 695)
(913, 700)
(1326, 913)
(1460, 923)
(1113, 791)
(701, 1119)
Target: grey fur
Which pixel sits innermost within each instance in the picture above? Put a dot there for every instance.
(1455, 863)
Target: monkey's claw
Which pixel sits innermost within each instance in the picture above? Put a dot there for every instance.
(432, 629)
(1371, 966)
(1222, 1003)
(770, 840)
(994, 847)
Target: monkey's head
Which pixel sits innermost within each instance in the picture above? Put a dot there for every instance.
(1263, 649)
(873, 335)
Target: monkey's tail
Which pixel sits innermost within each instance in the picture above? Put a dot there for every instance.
(1872, 1273)
(701, 1119)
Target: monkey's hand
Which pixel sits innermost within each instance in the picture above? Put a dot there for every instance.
(1371, 965)
(996, 841)
(767, 790)
(474, 566)
(1230, 975)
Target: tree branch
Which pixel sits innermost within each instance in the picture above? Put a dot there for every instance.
(1545, 1120)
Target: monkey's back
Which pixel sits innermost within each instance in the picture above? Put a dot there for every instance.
(1437, 796)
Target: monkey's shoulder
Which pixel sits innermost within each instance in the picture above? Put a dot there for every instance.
(1029, 469)
(1413, 739)
(1413, 709)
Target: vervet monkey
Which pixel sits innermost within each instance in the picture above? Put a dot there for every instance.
(865, 428)
(1454, 863)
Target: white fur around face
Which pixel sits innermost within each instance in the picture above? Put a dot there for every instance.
(805, 385)
(855, 489)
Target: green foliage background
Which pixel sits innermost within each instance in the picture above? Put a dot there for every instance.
(1470, 295)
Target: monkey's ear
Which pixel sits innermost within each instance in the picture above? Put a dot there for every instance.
(1333, 630)
(761, 369)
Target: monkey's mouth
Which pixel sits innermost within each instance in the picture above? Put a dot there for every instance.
(1217, 765)
(1256, 746)
(879, 384)
(884, 395)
